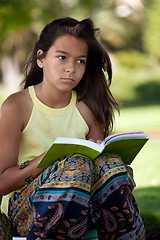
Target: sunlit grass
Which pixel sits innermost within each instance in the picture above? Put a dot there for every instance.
(147, 163)
(146, 118)
(149, 205)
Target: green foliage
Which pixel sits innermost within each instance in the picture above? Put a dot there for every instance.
(13, 15)
(133, 59)
(148, 92)
(16, 15)
(21, 23)
(136, 86)
(151, 34)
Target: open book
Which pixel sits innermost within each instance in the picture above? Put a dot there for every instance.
(126, 144)
(18, 238)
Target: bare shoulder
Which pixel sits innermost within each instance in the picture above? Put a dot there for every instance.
(95, 127)
(16, 106)
(15, 102)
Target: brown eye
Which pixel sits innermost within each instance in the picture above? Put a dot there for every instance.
(61, 57)
(81, 61)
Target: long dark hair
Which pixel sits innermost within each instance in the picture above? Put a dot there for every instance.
(93, 88)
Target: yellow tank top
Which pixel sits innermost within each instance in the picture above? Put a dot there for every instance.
(46, 124)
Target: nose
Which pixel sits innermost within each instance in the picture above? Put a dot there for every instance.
(70, 67)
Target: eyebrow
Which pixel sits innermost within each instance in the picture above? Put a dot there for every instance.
(60, 51)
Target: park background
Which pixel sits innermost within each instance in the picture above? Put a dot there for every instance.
(130, 31)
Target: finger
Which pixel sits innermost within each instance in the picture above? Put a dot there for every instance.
(99, 141)
(91, 140)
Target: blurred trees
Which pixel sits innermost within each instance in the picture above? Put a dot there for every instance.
(20, 23)
(121, 21)
(129, 28)
(151, 33)
(125, 24)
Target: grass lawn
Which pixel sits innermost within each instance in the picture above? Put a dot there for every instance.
(143, 117)
(148, 200)
(147, 163)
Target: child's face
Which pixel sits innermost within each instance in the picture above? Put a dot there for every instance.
(65, 62)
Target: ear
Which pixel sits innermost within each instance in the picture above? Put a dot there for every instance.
(40, 60)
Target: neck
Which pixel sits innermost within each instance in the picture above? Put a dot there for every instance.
(51, 97)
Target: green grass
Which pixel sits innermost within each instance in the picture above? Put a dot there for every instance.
(148, 200)
(147, 163)
(142, 117)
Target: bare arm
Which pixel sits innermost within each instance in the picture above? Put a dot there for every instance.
(11, 125)
(96, 129)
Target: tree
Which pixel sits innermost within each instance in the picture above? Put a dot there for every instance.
(22, 21)
(151, 34)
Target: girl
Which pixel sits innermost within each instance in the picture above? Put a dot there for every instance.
(65, 94)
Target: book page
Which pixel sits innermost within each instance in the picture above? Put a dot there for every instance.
(124, 135)
(76, 141)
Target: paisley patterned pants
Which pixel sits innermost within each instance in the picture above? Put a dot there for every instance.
(76, 194)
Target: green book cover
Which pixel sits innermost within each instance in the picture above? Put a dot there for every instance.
(126, 144)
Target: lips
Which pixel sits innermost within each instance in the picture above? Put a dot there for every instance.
(68, 80)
